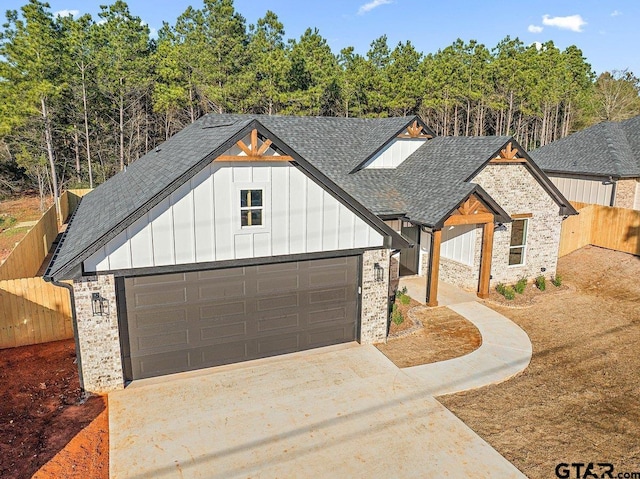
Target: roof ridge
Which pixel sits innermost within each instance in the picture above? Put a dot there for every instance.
(609, 127)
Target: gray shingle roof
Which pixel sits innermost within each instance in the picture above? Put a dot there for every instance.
(605, 149)
(426, 187)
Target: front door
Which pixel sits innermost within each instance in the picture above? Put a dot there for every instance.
(409, 256)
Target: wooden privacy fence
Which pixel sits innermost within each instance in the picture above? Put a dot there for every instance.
(26, 258)
(604, 226)
(33, 312)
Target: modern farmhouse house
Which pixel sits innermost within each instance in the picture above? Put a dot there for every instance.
(246, 236)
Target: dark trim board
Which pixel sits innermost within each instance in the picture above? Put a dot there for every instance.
(233, 263)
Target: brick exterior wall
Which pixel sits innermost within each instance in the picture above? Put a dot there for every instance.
(462, 275)
(517, 191)
(98, 336)
(626, 193)
(374, 312)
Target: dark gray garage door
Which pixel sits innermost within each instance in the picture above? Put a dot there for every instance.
(178, 322)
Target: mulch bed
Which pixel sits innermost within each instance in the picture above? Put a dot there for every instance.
(42, 408)
(531, 295)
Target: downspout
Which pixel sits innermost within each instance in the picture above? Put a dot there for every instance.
(74, 322)
(613, 192)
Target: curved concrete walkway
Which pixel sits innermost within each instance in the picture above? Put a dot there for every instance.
(505, 351)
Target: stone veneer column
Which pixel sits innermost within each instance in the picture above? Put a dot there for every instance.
(625, 193)
(98, 336)
(374, 314)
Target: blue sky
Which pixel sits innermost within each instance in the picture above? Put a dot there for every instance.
(606, 31)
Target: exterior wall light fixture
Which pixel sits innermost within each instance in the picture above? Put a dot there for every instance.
(99, 305)
(378, 272)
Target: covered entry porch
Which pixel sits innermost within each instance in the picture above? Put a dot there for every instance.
(472, 215)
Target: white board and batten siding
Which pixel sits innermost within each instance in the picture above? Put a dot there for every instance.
(458, 243)
(584, 190)
(200, 222)
(395, 153)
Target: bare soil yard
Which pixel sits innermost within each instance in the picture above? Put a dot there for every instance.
(579, 399)
(445, 335)
(41, 410)
(12, 213)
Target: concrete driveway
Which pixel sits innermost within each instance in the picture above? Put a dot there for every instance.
(341, 411)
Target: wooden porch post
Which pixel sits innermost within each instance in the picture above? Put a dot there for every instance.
(485, 260)
(434, 269)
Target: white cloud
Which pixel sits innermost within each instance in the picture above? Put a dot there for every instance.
(535, 28)
(66, 13)
(367, 7)
(538, 45)
(570, 22)
(616, 13)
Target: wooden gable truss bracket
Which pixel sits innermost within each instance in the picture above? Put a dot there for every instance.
(508, 155)
(254, 152)
(471, 212)
(415, 131)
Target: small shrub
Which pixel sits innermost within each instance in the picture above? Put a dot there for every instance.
(557, 280)
(403, 291)
(541, 283)
(509, 293)
(7, 222)
(500, 288)
(396, 316)
(520, 286)
(405, 299)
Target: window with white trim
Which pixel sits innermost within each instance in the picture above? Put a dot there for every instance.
(518, 244)
(251, 207)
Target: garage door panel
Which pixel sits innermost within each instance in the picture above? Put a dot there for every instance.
(238, 314)
(270, 269)
(153, 319)
(326, 337)
(328, 296)
(222, 290)
(230, 352)
(220, 332)
(280, 344)
(276, 284)
(157, 364)
(327, 278)
(167, 296)
(279, 323)
(277, 302)
(154, 280)
(328, 315)
(164, 340)
(223, 274)
(221, 310)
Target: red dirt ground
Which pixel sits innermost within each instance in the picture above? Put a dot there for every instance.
(42, 408)
(26, 208)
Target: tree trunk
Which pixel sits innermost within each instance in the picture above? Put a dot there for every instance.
(76, 150)
(466, 127)
(86, 125)
(52, 164)
(121, 127)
